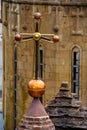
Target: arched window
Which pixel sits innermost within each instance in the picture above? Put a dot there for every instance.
(41, 62)
(41, 66)
(75, 71)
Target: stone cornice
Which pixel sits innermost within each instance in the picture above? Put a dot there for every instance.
(33, 3)
(49, 2)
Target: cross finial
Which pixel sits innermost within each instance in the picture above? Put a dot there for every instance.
(37, 36)
(36, 117)
(36, 84)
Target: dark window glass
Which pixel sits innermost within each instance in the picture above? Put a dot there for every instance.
(75, 73)
(41, 67)
(41, 63)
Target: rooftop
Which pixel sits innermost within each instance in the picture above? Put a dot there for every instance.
(67, 112)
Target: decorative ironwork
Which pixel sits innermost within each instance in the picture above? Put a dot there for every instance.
(37, 36)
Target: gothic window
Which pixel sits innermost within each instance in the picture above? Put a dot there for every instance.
(75, 71)
(41, 66)
(41, 63)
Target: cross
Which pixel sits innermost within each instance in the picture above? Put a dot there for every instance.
(77, 14)
(37, 36)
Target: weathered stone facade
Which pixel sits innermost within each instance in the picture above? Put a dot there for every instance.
(66, 112)
(71, 19)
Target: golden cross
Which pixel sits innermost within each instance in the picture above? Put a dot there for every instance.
(37, 36)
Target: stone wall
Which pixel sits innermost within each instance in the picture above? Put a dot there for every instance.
(71, 21)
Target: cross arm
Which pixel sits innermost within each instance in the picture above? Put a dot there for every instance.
(37, 36)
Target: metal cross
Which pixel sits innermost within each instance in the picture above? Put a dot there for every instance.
(37, 36)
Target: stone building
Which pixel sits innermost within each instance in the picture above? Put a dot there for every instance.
(63, 61)
(66, 112)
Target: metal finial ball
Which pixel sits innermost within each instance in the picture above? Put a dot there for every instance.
(17, 37)
(37, 15)
(56, 38)
(36, 88)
